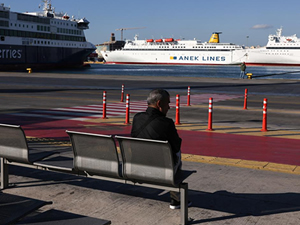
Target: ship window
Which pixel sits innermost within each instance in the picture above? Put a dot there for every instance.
(4, 14)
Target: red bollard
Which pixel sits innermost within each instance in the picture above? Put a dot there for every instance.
(104, 105)
(127, 109)
(189, 96)
(245, 100)
(122, 93)
(264, 123)
(177, 120)
(210, 107)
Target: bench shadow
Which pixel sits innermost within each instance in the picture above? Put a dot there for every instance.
(53, 216)
(244, 204)
(235, 204)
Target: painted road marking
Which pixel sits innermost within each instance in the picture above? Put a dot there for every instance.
(113, 109)
(275, 167)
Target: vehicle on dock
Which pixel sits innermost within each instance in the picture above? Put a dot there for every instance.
(42, 40)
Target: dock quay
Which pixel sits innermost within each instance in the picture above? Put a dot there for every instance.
(244, 175)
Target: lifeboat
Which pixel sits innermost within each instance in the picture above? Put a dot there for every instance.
(66, 17)
(158, 40)
(149, 40)
(169, 40)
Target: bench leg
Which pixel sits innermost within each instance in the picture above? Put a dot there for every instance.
(184, 203)
(4, 174)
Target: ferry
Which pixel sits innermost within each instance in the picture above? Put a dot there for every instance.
(42, 40)
(279, 51)
(174, 52)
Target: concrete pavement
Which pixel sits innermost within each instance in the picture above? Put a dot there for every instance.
(245, 176)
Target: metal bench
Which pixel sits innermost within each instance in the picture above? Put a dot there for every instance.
(14, 149)
(95, 155)
(150, 163)
(144, 162)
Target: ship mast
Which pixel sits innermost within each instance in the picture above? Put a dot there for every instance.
(48, 11)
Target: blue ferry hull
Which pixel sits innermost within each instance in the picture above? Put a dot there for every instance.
(15, 57)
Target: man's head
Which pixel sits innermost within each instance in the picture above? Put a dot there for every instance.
(160, 100)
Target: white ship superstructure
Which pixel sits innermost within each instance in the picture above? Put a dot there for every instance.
(279, 51)
(42, 39)
(172, 51)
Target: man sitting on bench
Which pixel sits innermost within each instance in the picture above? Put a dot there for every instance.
(153, 124)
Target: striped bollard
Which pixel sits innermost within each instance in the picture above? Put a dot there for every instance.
(210, 107)
(104, 105)
(127, 109)
(122, 93)
(177, 120)
(189, 96)
(264, 123)
(245, 99)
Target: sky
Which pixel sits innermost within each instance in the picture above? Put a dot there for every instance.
(241, 22)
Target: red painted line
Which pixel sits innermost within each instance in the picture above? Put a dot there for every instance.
(267, 149)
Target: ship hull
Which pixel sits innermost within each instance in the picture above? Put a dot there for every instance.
(271, 57)
(171, 57)
(16, 57)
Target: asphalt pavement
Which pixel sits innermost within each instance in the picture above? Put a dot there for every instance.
(245, 176)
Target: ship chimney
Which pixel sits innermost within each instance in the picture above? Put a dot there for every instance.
(112, 37)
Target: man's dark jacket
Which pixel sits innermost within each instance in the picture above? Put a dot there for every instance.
(159, 128)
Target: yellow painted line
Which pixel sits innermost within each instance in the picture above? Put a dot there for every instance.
(112, 120)
(242, 131)
(280, 167)
(275, 167)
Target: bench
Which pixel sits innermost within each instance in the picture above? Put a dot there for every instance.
(139, 162)
(143, 162)
(14, 149)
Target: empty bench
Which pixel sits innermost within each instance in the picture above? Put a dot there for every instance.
(140, 162)
(15, 150)
(143, 162)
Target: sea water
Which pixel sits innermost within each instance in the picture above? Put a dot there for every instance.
(259, 72)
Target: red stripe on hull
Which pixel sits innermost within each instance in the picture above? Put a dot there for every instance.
(201, 64)
(270, 64)
(175, 64)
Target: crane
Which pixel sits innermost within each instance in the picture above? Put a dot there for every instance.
(132, 28)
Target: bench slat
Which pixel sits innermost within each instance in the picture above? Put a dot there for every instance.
(95, 154)
(148, 161)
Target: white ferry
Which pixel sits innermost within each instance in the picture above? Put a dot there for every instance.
(42, 39)
(279, 51)
(175, 52)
